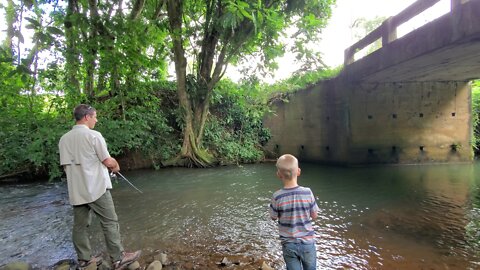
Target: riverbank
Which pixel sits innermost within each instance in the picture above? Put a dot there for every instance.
(161, 261)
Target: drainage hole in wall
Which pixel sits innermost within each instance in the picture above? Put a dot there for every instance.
(302, 146)
(370, 117)
(327, 148)
(453, 114)
(422, 148)
(420, 115)
(394, 116)
(394, 148)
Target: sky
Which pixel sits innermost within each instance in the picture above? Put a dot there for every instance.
(338, 36)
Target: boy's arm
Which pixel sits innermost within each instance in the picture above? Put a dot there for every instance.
(315, 209)
(273, 212)
(314, 214)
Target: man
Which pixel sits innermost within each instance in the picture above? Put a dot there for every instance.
(86, 160)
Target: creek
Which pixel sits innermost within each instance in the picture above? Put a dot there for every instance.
(381, 217)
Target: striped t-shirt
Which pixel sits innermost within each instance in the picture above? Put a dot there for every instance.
(293, 207)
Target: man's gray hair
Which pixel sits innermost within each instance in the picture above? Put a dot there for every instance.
(82, 110)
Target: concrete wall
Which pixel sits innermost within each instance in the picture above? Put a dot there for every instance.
(341, 123)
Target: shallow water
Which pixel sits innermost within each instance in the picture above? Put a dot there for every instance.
(405, 217)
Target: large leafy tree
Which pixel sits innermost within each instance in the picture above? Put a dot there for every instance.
(209, 35)
(109, 46)
(104, 48)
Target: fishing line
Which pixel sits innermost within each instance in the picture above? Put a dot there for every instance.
(126, 180)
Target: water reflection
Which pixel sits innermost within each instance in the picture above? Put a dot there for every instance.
(397, 218)
(409, 217)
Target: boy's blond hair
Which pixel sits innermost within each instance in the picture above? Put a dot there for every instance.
(287, 166)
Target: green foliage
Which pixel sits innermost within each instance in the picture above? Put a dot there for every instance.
(30, 137)
(472, 229)
(301, 81)
(475, 115)
(241, 30)
(30, 134)
(11, 84)
(139, 125)
(234, 132)
(41, 150)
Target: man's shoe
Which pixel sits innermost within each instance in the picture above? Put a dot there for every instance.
(127, 258)
(92, 264)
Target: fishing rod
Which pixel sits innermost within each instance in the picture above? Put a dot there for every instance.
(124, 178)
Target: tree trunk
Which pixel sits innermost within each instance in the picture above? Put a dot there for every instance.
(190, 155)
(92, 46)
(10, 20)
(71, 55)
(207, 79)
(201, 114)
(137, 9)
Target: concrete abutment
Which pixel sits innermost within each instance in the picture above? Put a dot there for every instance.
(339, 122)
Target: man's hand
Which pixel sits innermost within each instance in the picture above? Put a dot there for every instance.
(112, 164)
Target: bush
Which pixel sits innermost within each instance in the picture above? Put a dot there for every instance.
(475, 115)
(234, 132)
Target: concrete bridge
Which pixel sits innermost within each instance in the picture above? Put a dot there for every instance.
(407, 102)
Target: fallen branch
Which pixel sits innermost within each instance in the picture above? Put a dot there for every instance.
(11, 175)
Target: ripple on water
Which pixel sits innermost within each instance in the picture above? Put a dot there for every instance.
(370, 218)
(33, 221)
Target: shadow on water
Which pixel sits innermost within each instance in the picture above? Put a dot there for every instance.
(408, 217)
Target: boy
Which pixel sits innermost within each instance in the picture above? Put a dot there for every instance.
(294, 207)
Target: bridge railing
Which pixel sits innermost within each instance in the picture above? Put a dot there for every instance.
(387, 32)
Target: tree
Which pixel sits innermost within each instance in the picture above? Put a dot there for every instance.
(106, 46)
(362, 27)
(209, 35)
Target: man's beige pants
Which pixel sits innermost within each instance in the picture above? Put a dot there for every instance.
(104, 209)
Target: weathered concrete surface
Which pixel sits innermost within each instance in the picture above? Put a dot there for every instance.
(410, 122)
(408, 102)
(446, 49)
(311, 125)
(343, 123)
